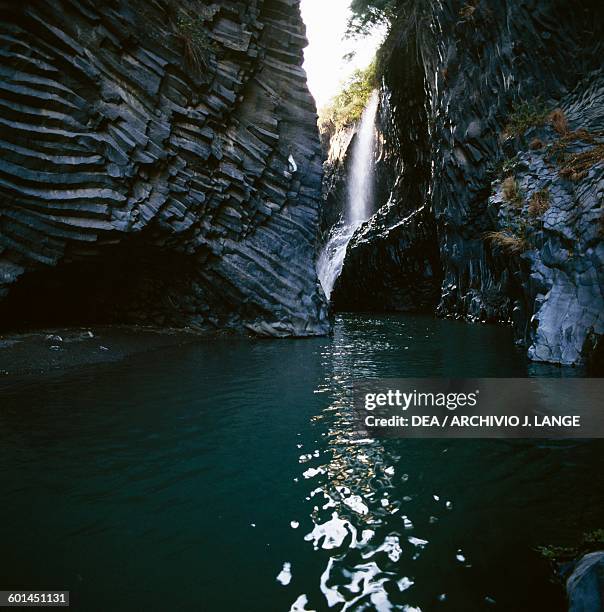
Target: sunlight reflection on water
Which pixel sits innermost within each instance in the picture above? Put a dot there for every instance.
(227, 475)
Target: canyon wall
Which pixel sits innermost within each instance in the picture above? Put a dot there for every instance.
(159, 164)
(392, 261)
(514, 191)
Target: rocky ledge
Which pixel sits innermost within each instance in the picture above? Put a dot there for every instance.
(160, 164)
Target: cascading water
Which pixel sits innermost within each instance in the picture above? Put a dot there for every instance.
(358, 202)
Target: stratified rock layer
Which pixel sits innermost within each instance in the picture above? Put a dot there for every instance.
(160, 163)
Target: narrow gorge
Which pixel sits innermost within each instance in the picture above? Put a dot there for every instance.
(302, 305)
(161, 165)
(491, 173)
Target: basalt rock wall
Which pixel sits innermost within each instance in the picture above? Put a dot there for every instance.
(392, 262)
(499, 69)
(513, 190)
(159, 163)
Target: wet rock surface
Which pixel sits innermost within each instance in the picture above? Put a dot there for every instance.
(160, 163)
(585, 586)
(447, 102)
(390, 266)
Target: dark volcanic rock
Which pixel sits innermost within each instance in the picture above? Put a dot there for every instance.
(390, 265)
(451, 86)
(563, 286)
(486, 61)
(585, 586)
(160, 163)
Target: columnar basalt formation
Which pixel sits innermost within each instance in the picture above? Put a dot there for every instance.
(499, 70)
(160, 163)
(495, 113)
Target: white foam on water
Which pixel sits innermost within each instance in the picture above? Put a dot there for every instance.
(355, 503)
(285, 575)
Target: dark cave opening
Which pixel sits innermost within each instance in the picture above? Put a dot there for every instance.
(135, 283)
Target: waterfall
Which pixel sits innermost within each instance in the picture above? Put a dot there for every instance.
(359, 199)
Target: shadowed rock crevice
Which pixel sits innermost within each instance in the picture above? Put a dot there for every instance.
(134, 284)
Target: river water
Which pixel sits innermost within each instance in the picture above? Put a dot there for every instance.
(192, 478)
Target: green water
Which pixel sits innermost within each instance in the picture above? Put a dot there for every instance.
(169, 481)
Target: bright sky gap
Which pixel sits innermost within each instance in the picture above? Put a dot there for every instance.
(324, 57)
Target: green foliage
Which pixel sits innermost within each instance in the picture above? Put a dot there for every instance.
(366, 14)
(525, 115)
(347, 107)
(594, 538)
(591, 541)
(557, 554)
(198, 46)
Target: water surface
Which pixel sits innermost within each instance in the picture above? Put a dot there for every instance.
(184, 479)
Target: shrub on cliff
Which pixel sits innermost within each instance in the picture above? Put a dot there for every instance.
(347, 107)
(524, 115)
(198, 46)
(366, 14)
(506, 241)
(511, 191)
(539, 203)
